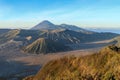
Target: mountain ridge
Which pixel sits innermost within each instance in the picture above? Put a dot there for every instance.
(63, 36)
(47, 25)
(116, 41)
(69, 35)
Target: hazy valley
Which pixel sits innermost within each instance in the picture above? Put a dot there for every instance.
(24, 52)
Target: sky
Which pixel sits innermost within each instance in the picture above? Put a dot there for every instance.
(90, 14)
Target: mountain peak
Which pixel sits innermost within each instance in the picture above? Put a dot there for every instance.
(44, 25)
(47, 25)
(46, 22)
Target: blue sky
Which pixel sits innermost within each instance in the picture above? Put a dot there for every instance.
(90, 14)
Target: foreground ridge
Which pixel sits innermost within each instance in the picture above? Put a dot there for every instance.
(104, 65)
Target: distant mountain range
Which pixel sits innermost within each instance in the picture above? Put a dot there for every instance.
(46, 25)
(47, 37)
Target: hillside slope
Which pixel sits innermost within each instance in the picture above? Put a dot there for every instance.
(117, 41)
(4, 30)
(60, 40)
(43, 45)
(75, 28)
(104, 65)
(62, 36)
(8, 36)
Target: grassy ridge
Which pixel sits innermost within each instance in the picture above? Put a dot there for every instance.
(104, 65)
(117, 39)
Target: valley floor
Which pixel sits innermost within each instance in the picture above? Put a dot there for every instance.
(14, 63)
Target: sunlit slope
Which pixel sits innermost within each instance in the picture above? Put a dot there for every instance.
(104, 65)
(117, 41)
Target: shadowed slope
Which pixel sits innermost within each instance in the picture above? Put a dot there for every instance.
(43, 45)
(62, 35)
(4, 30)
(45, 25)
(57, 38)
(8, 36)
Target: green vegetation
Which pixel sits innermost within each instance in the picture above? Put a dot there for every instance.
(104, 65)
